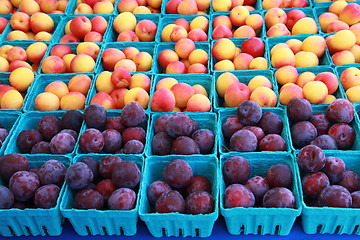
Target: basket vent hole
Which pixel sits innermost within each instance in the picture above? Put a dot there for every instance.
(88, 230)
(28, 230)
(319, 228)
(104, 230)
(356, 229)
(259, 229)
(180, 232)
(45, 230)
(163, 231)
(11, 231)
(338, 229)
(197, 232)
(277, 229)
(121, 231)
(242, 229)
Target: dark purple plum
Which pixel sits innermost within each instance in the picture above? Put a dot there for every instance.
(88, 199)
(249, 113)
(236, 170)
(52, 172)
(259, 133)
(178, 124)
(62, 143)
(334, 169)
(112, 140)
(27, 139)
(169, 202)
(73, 133)
(105, 187)
(41, 147)
(107, 165)
(122, 199)
(184, 146)
(159, 125)
(12, 163)
(243, 141)
(132, 115)
(46, 196)
(350, 181)
(134, 133)
(115, 123)
(6, 198)
(237, 195)
(271, 123)
(321, 123)
(91, 141)
(126, 174)
(95, 116)
(93, 164)
(335, 196)
(279, 197)
(155, 190)
(133, 147)
(340, 111)
(279, 175)
(198, 183)
(199, 203)
(23, 185)
(258, 186)
(205, 139)
(72, 119)
(325, 142)
(343, 134)
(161, 144)
(3, 134)
(194, 126)
(78, 176)
(302, 133)
(299, 109)
(314, 183)
(230, 126)
(178, 173)
(49, 126)
(355, 199)
(272, 142)
(311, 158)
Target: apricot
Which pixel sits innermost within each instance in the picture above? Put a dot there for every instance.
(290, 92)
(224, 49)
(315, 92)
(286, 74)
(12, 100)
(73, 101)
(259, 81)
(21, 78)
(282, 57)
(166, 83)
(138, 95)
(224, 81)
(306, 59)
(59, 88)
(80, 83)
(198, 103)
(47, 101)
(264, 96)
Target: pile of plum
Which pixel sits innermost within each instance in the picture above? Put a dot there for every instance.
(36, 187)
(330, 131)
(179, 183)
(121, 134)
(253, 130)
(179, 134)
(110, 184)
(325, 181)
(52, 136)
(271, 191)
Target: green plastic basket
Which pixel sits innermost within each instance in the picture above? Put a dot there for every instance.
(260, 220)
(176, 224)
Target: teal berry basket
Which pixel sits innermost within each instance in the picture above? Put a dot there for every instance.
(308, 12)
(116, 113)
(339, 93)
(260, 220)
(155, 18)
(55, 17)
(61, 28)
(163, 46)
(148, 47)
(204, 80)
(30, 120)
(4, 80)
(238, 43)
(171, 18)
(34, 221)
(9, 120)
(93, 91)
(321, 220)
(354, 124)
(205, 121)
(42, 81)
(73, 47)
(224, 144)
(102, 222)
(325, 60)
(177, 224)
(261, 33)
(245, 78)
(340, 70)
